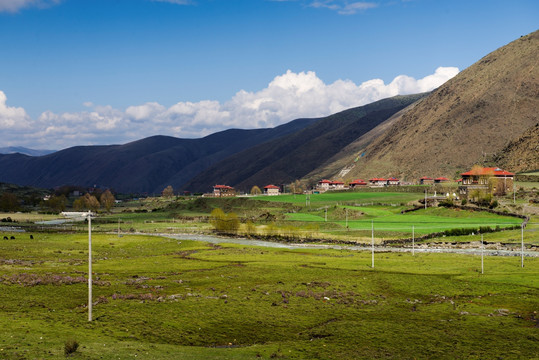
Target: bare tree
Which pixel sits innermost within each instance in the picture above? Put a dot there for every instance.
(107, 200)
(168, 191)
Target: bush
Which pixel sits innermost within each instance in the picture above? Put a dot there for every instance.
(464, 202)
(70, 347)
(224, 223)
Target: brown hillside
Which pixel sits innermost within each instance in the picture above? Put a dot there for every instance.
(465, 121)
(522, 154)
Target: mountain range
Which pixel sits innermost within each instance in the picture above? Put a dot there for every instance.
(24, 151)
(487, 113)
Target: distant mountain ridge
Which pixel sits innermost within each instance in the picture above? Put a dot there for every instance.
(146, 165)
(24, 151)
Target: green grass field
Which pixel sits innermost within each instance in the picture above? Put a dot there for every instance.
(330, 198)
(159, 298)
(424, 221)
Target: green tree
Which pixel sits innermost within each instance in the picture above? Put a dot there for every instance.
(107, 200)
(232, 223)
(250, 227)
(56, 203)
(9, 202)
(217, 218)
(224, 223)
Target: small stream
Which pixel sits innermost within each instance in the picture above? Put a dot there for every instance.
(262, 243)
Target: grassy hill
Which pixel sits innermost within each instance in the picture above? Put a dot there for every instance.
(469, 119)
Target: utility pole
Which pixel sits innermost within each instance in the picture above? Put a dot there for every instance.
(346, 210)
(89, 266)
(482, 255)
(372, 242)
(413, 240)
(326, 214)
(522, 245)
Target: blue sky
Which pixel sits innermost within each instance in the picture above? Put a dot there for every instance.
(77, 72)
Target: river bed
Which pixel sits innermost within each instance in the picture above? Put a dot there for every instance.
(419, 249)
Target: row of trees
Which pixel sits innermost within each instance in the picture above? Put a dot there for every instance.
(90, 202)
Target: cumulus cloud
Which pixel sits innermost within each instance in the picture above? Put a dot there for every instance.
(287, 97)
(16, 5)
(12, 118)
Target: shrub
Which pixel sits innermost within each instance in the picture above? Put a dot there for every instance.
(224, 223)
(70, 347)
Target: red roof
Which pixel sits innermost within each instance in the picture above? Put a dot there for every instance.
(271, 187)
(324, 181)
(223, 187)
(488, 171)
(377, 179)
(442, 179)
(393, 179)
(425, 178)
(358, 182)
(337, 183)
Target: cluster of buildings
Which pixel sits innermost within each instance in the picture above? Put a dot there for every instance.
(225, 190)
(492, 179)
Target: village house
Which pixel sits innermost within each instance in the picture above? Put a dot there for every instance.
(393, 181)
(324, 184)
(425, 180)
(357, 183)
(272, 190)
(492, 180)
(223, 191)
(336, 185)
(378, 182)
(441, 180)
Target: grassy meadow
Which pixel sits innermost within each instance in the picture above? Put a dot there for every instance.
(161, 298)
(333, 216)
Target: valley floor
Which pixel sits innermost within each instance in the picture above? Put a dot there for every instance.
(163, 298)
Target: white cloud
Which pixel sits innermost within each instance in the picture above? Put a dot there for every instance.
(12, 118)
(287, 97)
(352, 8)
(16, 5)
(343, 7)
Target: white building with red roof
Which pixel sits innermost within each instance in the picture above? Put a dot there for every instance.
(441, 180)
(357, 183)
(491, 179)
(324, 184)
(378, 182)
(392, 181)
(223, 191)
(272, 190)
